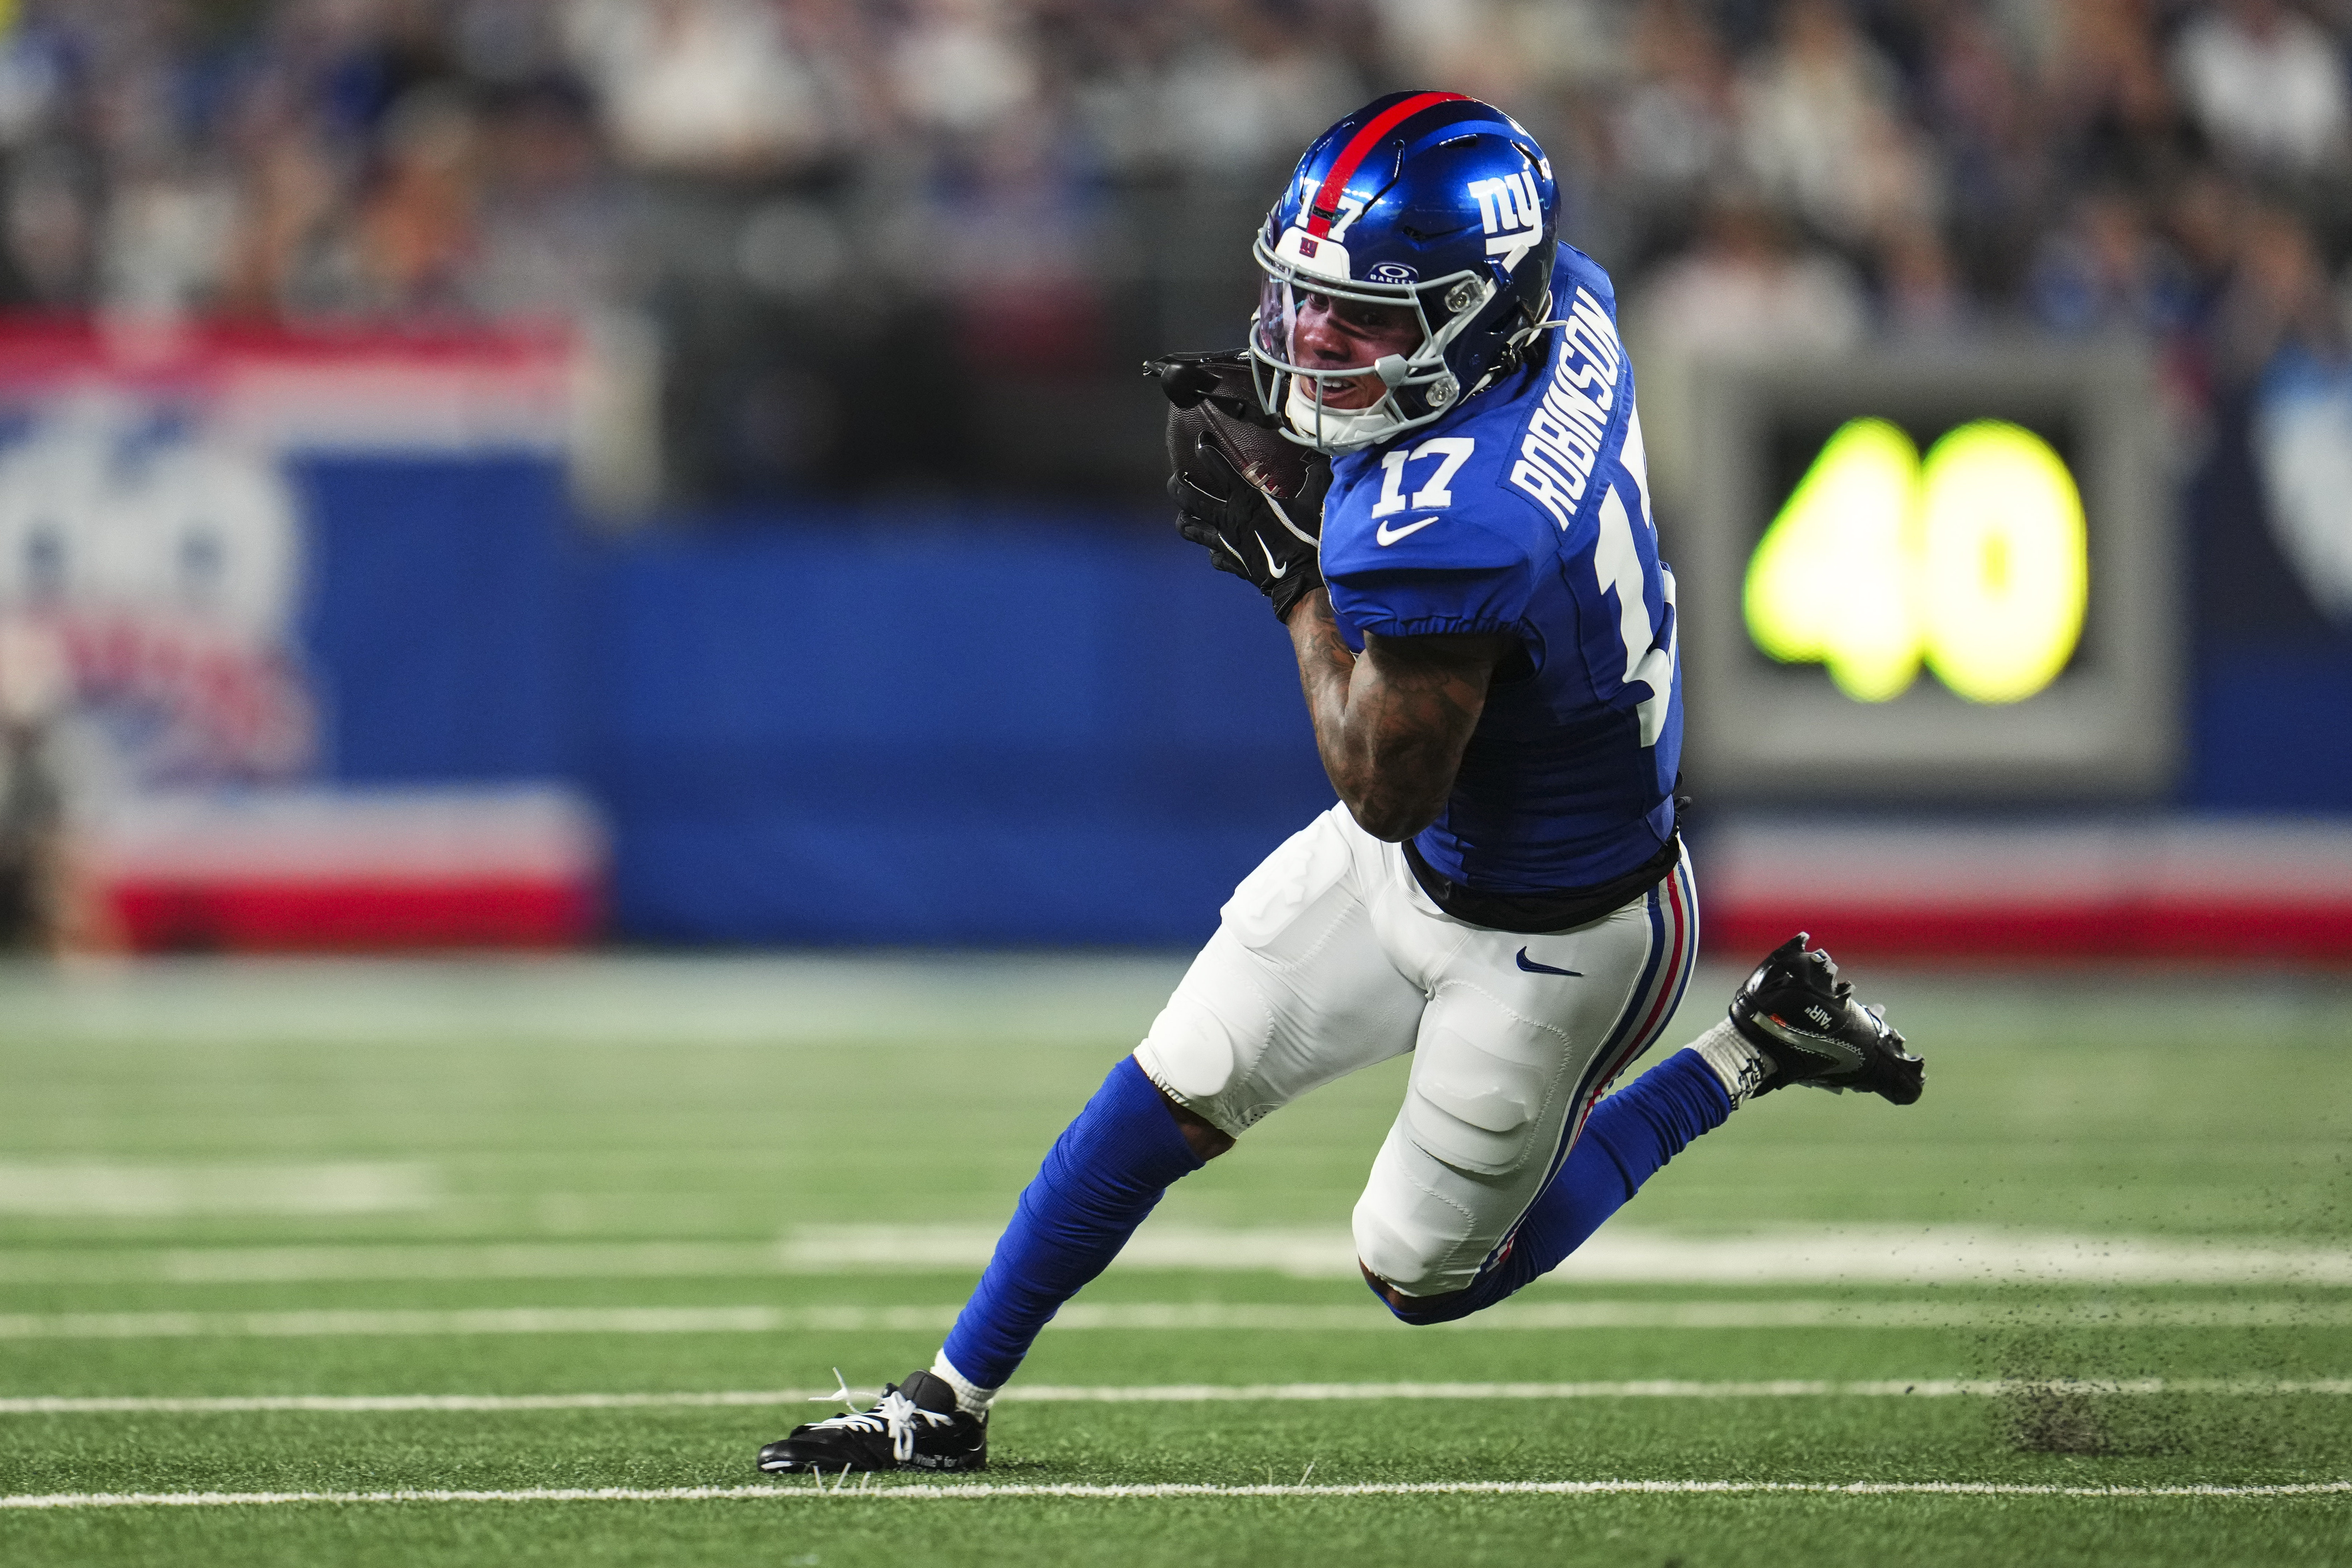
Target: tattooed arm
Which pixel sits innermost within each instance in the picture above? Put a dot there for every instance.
(1392, 724)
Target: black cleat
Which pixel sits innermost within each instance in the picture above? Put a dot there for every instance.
(1796, 1011)
(915, 1426)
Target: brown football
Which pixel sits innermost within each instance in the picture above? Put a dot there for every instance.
(1215, 396)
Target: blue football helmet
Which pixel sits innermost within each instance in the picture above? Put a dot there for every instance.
(1430, 200)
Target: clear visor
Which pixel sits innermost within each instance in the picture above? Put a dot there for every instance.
(1284, 296)
(1309, 398)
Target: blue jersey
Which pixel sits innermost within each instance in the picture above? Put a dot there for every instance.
(1526, 511)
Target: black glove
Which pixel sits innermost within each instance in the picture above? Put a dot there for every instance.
(1252, 498)
(1247, 533)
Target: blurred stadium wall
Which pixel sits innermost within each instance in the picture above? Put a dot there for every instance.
(523, 470)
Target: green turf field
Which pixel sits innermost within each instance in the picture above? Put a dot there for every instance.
(524, 1229)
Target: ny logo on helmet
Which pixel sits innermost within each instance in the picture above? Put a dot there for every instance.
(1512, 214)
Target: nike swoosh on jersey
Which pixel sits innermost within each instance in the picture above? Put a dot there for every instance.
(1388, 536)
(1532, 967)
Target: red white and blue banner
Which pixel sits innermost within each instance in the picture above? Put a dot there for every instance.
(160, 520)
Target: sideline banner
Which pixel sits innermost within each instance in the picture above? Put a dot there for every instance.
(156, 567)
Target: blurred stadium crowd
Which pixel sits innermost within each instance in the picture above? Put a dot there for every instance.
(818, 226)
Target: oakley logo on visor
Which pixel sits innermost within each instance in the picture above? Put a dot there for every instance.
(1392, 273)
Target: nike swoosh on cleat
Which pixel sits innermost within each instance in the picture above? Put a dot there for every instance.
(1388, 536)
(1532, 967)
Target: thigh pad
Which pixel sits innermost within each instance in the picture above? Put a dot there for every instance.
(1486, 1082)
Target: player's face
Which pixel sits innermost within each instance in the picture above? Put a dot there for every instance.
(1339, 333)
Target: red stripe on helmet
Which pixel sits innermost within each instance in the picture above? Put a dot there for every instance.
(1359, 147)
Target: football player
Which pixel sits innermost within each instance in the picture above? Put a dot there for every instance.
(1485, 636)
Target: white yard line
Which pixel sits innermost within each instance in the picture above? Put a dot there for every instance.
(984, 1491)
(391, 1260)
(375, 1324)
(1664, 1388)
(1896, 1254)
(1181, 1394)
(85, 1188)
(571, 1003)
(1165, 1317)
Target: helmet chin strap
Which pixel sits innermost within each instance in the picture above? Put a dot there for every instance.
(1516, 350)
(1338, 429)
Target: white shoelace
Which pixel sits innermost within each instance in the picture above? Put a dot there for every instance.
(896, 1415)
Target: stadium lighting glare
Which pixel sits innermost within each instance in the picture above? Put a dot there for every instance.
(1974, 562)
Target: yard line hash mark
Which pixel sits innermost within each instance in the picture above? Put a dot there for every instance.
(986, 1491)
(1180, 1393)
(1161, 1317)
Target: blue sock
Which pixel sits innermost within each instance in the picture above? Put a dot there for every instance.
(1628, 1138)
(1101, 1177)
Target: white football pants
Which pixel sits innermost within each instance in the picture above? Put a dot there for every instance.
(1330, 957)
